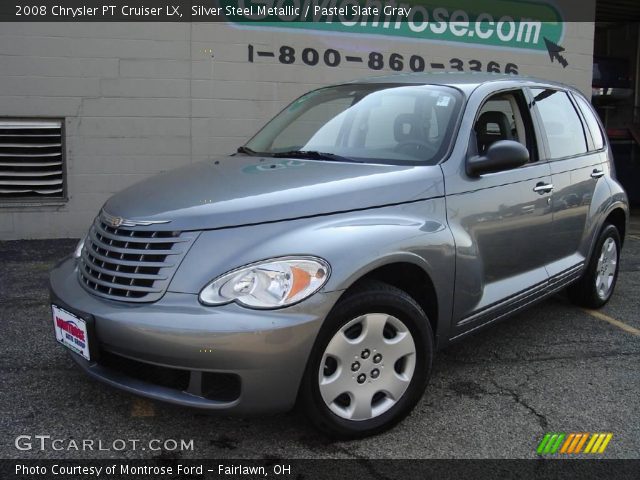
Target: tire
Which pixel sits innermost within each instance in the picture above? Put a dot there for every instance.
(364, 332)
(595, 287)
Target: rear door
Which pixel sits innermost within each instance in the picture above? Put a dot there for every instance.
(574, 148)
(501, 221)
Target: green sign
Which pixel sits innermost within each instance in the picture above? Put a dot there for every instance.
(499, 23)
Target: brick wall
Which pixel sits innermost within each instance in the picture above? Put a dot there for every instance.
(141, 98)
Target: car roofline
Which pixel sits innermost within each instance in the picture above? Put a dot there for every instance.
(463, 81)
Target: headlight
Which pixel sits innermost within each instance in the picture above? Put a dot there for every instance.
(268, 284)
(77, 253)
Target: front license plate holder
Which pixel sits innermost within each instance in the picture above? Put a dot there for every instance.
(73, 331)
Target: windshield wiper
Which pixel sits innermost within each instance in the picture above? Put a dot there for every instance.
(248, 151)
(314, 155)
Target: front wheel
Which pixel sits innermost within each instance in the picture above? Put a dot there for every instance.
(370, 364)
(596, 286)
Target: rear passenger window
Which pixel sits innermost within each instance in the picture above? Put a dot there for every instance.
(592, 123)
(562, 125)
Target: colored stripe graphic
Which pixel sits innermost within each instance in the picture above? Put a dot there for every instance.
(572, 443)
(567, 442)
(557, 443)
(550, 443)
(543, 443)
(582, 442)
(593, 439)
(606, 441)
(596, 446)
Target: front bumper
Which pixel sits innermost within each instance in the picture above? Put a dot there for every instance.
(177, 338)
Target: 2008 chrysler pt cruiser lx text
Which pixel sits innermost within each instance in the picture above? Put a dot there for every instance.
(364, 227)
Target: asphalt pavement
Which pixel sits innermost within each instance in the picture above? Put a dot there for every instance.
(553, 368)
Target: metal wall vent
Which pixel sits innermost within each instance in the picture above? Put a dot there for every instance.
(31, 160)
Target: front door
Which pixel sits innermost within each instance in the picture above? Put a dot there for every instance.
(501, 221)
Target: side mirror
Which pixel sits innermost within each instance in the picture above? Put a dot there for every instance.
(501, 155)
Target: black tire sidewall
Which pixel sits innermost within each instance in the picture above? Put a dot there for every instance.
(378, 299)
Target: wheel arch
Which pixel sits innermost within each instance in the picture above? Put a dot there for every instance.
(410, 278)
(617, 216)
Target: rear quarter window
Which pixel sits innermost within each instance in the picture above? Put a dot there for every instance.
(592, 122)
(563, 127)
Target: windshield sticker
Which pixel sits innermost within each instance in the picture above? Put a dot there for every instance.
(443, 101)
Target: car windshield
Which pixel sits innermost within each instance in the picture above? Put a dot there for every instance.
(380, 123)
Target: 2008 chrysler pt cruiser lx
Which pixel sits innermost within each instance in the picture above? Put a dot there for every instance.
(364, 227)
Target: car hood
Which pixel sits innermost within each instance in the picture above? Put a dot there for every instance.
(243, 190)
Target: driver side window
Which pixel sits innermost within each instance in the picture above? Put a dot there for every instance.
(502, 118)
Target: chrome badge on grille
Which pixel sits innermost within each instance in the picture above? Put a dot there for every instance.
(115, 221)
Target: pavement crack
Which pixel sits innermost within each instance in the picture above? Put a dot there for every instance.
(333, 447)
(542, 419)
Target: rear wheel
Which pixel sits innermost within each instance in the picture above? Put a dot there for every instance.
(370, 364)
(596, 286)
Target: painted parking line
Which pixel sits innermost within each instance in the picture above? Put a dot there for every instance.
(142, 408)
(613, 321)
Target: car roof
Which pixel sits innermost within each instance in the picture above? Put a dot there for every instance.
(464, 81)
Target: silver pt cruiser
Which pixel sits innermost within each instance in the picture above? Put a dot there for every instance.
(364, 227)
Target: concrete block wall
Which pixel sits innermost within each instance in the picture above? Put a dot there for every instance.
(142, 98)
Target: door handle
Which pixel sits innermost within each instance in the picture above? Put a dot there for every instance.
(543, 188)
(597, 173)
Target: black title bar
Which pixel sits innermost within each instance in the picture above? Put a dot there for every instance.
(360, 469)
(222, 10)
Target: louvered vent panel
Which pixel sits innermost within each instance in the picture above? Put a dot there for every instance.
(31, 159)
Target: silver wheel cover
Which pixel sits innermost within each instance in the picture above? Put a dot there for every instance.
(367, 366)
(607, 267)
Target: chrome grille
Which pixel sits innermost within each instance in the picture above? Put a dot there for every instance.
(130, 264)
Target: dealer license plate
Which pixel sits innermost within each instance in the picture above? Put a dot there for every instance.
(71, 331)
